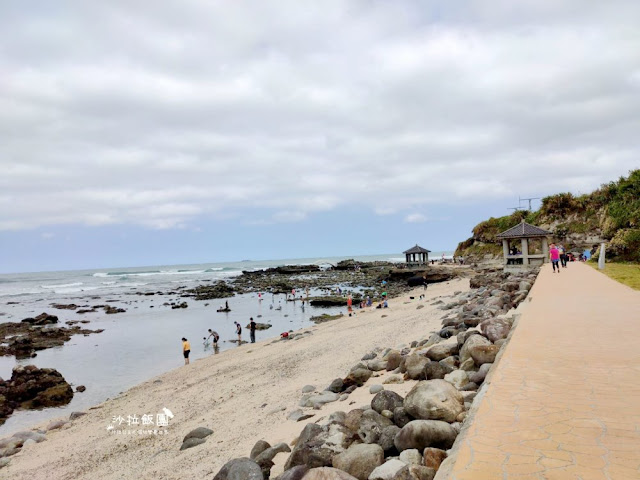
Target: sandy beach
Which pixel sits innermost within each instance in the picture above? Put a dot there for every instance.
(243, 395)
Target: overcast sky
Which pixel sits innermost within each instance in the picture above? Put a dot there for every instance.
(136, 132)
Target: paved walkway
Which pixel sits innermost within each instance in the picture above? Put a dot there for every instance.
(564, 401)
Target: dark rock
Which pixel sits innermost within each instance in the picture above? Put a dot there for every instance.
(336, 386)
(295, 473)
(192, 442)
(200, 432)
(401, 417)
(371, 426)
(42, 319)
(387, 439)
(421, 434)
(386, 400)
(75, 415)
(240, 469)
(80, 388)
(317, 445)
(436, 370)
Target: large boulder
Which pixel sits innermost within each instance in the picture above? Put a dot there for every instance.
(421, 434)
(458, 378)
(471, 342)
(415, 472)
(317, 445)
(240, 469)
(482, 354)
(434, 400)
(387, 438)
(358, 375)
(433, 457)
(319, 399)
(325, 473)
(388, 470)
(33, 387)
(371, 426)
(436, 370)
(479, 376)
(414, 364)
(295, 473)
(359, 460)
(442, 351)
(393, 358)
(495, 329)
(386, 400)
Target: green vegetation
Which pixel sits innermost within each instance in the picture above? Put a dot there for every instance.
(612, 213)
(627, 273)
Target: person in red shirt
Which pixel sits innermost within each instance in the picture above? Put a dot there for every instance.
(554, 256)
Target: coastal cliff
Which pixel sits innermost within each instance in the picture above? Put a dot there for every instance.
(609, 214)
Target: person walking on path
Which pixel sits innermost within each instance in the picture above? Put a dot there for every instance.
(252, 330)
(186, 350)
(554, 255)
(563, 256)
(239, 332)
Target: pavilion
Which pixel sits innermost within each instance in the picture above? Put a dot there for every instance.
(531, 250)
(417, 255)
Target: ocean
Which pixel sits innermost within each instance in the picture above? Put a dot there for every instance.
(144, 341)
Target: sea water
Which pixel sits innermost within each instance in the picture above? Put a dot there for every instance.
(144, 341)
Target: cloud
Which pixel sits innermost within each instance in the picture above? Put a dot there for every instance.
(415, 218)
(120, 113)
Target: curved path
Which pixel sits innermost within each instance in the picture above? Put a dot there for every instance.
(564, 400)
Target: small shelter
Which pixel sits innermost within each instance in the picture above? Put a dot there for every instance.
(417, 255)
(523, 254)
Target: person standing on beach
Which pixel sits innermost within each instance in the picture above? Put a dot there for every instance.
(252, 330)
(239, 332)
(563, 256)
(554, 256)
(186, 350)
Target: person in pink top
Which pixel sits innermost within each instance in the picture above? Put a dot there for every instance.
(554, 255)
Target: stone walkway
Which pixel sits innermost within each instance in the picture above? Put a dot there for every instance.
(564, 400)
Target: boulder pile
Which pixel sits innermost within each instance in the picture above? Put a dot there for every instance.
(396, 438)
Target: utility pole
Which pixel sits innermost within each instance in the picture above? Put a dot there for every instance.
(529, 199)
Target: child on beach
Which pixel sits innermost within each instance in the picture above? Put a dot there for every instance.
(186, 349)
(239, 332)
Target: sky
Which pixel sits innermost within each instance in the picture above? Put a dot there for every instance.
(143, 133)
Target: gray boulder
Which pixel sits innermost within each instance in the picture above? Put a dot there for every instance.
(421, 434)
(442, 350)
(359, 375)
(436, 370)
(336, 386)
(318, 399)
(377, 365)
(482, 354)
(386, 400)
(317, 445)
(388, 470)
(259, 447)
(479, 376)
(393, 359)
(414, 365)
(191, 442)
(326, 473)
(415, 472)
(200, 432)
(411, 457)
(296, 473)
(387, 437)
(434, 400)
(359, 460)
(371, 426)
(495, 329)
(240, 469)
(471, 342)
(401, 417)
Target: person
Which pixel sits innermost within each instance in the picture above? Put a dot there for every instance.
(215, 336)
(385, 304)
(186, 350)
(554, 256)
(239, 332)
(252, 330)
(349, 301)
(226, 305)
(563, 256)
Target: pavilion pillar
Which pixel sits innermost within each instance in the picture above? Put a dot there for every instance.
(505, 250)
(545, 250)
(525, 251)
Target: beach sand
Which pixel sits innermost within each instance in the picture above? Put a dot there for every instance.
(243, 395)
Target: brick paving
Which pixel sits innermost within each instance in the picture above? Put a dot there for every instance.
(564, 400)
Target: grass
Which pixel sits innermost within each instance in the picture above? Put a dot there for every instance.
(627, 273)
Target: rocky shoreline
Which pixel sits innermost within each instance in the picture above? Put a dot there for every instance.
(396, 438)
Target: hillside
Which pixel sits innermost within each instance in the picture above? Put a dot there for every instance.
(610, 214)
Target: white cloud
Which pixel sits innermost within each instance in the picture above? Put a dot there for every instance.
(415, 218)
(122, 113)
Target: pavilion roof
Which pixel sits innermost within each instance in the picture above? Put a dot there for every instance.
(416, 249)
(524, 230)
